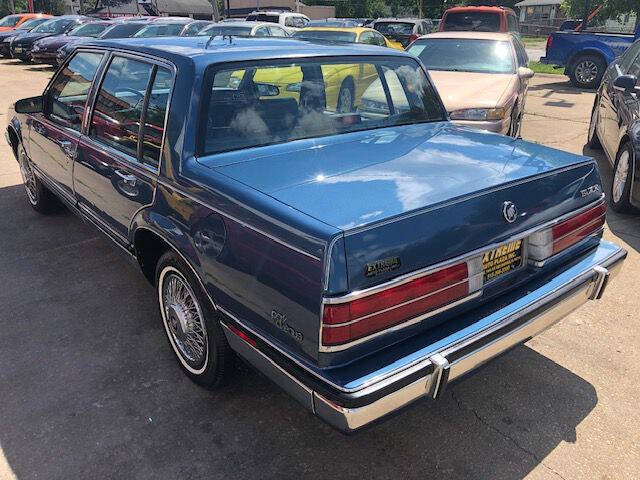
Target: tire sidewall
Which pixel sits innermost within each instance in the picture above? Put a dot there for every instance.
(624, 204)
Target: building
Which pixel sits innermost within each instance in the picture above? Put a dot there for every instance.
(242, 8)
(541, 11)
(198, 9)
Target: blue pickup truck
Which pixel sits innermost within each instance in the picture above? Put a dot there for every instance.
(585, 55)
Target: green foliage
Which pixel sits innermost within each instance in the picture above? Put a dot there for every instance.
(5, 7)
(612, 8)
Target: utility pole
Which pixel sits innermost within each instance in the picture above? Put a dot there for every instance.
(216, 12)
(12, 6)
(228, 8)
(420, 4)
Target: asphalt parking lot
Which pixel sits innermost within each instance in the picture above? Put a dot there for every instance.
(90, 389)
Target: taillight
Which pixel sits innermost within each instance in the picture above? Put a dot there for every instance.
(561, 236)
(413, 38)
(549, 42)
(414, 299)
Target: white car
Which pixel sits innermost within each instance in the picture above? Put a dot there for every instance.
(290, 21)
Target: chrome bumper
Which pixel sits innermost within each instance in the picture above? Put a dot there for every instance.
(506, 328)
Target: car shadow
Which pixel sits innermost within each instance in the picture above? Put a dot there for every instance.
(562, 86)
(90, 388)
(623, 225)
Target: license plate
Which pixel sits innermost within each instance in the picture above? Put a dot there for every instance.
(502, 260)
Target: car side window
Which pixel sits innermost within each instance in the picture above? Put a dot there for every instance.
(378, 39)
(277, 32)
(119, 105)
(262, 32)
(521, 54)
(367, 37)
(288, 21)
(632, 53)
(155, 114)
(67, 97)
(512, 23)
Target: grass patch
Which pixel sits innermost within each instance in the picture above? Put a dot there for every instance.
(543, 68)
(531, 41)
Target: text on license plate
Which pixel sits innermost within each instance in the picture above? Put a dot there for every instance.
(501, 260)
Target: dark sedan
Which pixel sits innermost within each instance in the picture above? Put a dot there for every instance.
(45, 50)
(6, 37)
(21, 46)
(118, 30)
(615, 127)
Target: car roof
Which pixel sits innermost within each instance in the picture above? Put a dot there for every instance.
(399, 20)
(204, 50)
(477, 35)
(338, 29)
(479, 8)
(244, 23)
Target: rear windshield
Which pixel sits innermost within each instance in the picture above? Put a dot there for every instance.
(89, 30)
(166, 30)
(10, 20)
(53, 26)
(325, 35)
(472, 22)
(263, 17)
(464, 55)
(256, 104)
(398, 28)
(29, 24)
(121, 30)
(225, 30)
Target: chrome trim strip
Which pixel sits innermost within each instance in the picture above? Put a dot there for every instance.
(166, 184)
(393, 307)
(467, 197)
(95, 219)
(459, 259)
(412, 321)
(327, 260)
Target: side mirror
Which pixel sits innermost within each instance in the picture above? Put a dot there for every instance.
(266, 90)
(29, 105)
(524, 72)
(625, 83)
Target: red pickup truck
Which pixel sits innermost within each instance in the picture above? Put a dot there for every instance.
(480, 19)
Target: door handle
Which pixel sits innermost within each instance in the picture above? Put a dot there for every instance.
(68, 148)
(127, 179)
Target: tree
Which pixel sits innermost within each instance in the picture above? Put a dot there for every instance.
(611, 9)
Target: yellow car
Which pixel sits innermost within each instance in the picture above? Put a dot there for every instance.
(368, 36)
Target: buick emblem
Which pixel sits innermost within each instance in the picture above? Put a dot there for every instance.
(510, 212)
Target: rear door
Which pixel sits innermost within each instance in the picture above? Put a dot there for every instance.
(119, 155)
(55, 132)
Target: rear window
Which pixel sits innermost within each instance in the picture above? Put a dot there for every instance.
(88, 30)
(263, 17)
(225, 30)
(472, 22)
(167, 30)
(10, 20)
(398, 28)
(325, 35)
(257, 104)
(464, 55)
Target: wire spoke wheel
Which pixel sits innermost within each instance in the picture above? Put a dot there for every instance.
(183, 320)
(29, 179)
(620, 176)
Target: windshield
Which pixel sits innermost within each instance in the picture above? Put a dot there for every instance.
(121, 30)
(263, 17)
(34, 22)
(193, 28)
(10, 20)
(217, 30)
(472, 22)
(52, 26)
(165, 30)
(325, 35)
(260, 104)
(464, 55)
(397, 28)
(332, 23)
(88, 30)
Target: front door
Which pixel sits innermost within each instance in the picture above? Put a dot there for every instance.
(55, 132)
(118, 158)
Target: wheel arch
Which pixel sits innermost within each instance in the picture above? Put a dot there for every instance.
(589, 51)
(632, 135)
(14, 139)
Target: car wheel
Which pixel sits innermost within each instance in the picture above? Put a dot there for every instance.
(587, 71)
(593, 141)
(39, 196)
(621, 184)
(346, 97)
(191, 323)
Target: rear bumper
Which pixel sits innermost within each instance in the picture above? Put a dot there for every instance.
(428, 376)
(44, 57)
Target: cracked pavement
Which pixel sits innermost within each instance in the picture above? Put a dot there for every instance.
(90, 389)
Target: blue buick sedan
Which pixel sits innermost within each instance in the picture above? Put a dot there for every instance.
(311, 209)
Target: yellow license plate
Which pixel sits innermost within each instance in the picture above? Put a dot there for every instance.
(502, 260)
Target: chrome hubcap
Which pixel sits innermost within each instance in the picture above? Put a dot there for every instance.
(183, 320)
(586, 72)
(344, 104)
(620, 177)
(28, 178)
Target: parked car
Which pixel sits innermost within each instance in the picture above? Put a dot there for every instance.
(614, 127)
(117, 30)
(290, 21)
(46, 49)
(12, 22)
(346, 34)
(402, 30)
(360, 262)
(8, 35)
(195, 27)
(20, 47)
(482, 78)
(246, 29)
(479, 19)
(163, 29)
(334, 22)
(585, 55)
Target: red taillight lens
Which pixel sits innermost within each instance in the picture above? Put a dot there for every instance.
(561, 236)
(549, 42)
(413, 38)
(361, 317)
